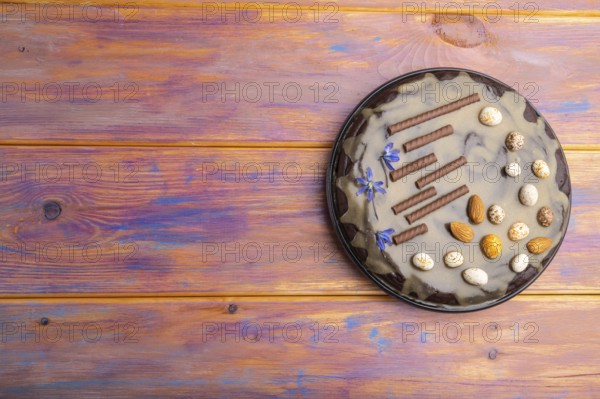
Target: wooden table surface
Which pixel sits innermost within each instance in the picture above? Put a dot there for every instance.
(186, 143)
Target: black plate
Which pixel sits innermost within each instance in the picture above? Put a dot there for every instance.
(339, 165)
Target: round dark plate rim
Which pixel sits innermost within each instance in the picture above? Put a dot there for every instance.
(330, 189)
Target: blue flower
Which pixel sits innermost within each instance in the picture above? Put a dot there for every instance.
(390, 155)
(384, 237)
(369, 185)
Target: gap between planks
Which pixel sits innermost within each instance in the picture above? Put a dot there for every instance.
(277, 6)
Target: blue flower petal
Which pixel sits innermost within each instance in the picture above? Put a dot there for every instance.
(377, 183)
(380, 242)
(362, 181)
(370, 195)
(369, 174)
(390, 155)
(383, 238)
(379, 189)
(362, 190)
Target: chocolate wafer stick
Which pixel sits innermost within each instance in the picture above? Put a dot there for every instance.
(410, 233)
(413, 167)
(414, 200)
(428, 138)
(443, 171)
(434, 113)
(437, 204)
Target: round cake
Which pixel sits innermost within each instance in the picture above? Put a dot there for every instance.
(449, 190)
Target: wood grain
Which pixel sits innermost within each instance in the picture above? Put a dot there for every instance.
(216, 222)
(168, 76)
(488, 8)
(207, 221)
(370, 347)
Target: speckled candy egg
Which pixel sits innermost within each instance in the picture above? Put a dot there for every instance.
(519, 263)
(422, 261)
(454, 259)
(518, 231)
(496, 214)
(475, 276)
(528, 195)
(545, 216)
(540, 168)
(490, 116)
(514, 141)
(513, 169)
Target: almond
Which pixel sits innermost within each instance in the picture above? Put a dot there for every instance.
(539, 245)
(491, 246)
(475, 209)
(462, 231)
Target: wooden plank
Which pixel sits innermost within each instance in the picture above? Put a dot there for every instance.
(532, 346)
(207, 221)
(507, 8)
(180, 77)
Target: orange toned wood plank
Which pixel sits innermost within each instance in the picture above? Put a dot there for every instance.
(216, 221)
(177, 76)
(491, 9)
(539, 346)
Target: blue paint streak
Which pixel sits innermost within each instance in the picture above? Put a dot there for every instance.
(377, 38)
(164, 226)
(13, 250)
(232, 381)
(189, 179)
(572, 106)
(352, 322)
(566, 271)
(383, 344)
(137, 266)
(330, 260)
(338, 47)
(166, 219)
(303, 391)
(169, 200)
(326, 377)
(154, 168)
(374, 333)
